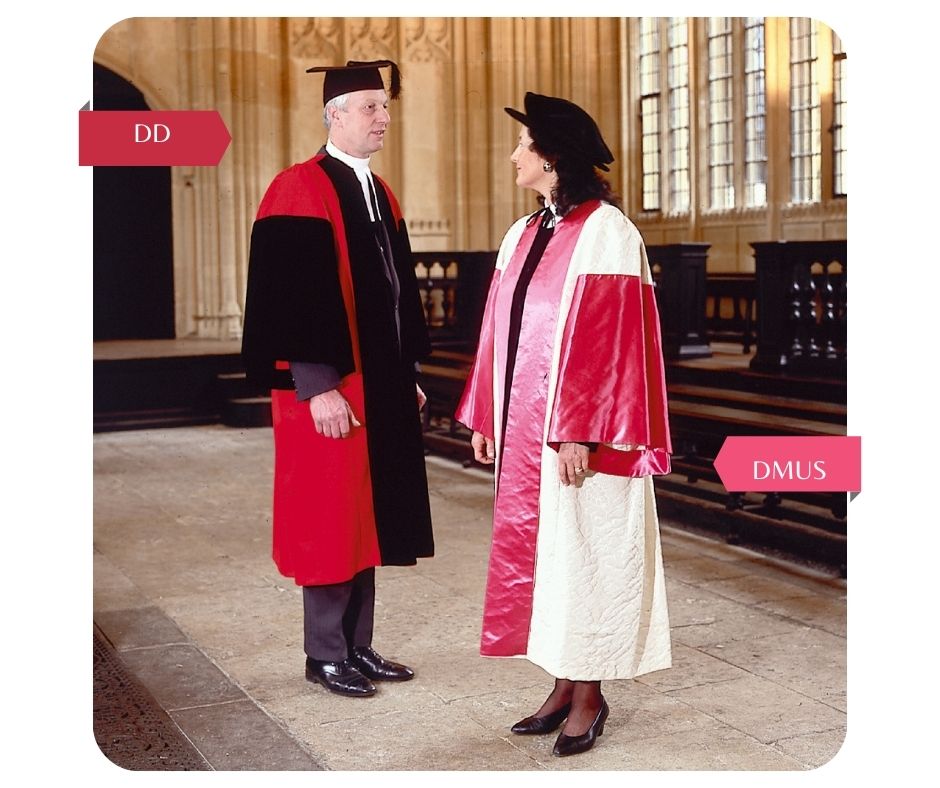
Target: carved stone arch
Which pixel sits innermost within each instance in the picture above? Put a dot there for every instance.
(155, 98)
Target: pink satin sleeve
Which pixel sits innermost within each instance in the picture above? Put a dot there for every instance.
(476, 404)
(611, 382)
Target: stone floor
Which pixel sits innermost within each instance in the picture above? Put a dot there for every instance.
(186, 592)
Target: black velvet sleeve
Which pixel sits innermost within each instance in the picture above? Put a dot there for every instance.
(294, 307)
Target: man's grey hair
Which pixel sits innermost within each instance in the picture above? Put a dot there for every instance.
(337, 101)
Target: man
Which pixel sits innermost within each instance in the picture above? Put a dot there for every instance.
(334, 326)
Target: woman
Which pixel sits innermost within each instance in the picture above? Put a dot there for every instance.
(567, 398)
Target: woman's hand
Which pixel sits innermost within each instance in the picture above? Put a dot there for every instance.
(422, 397)
(484, 449)
(572, 462)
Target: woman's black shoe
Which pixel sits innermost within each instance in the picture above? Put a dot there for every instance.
(546, 724)
(572, 745)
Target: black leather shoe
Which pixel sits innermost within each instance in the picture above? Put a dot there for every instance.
(372, 664)
(339, 677)
(572, 745)
(536, 725)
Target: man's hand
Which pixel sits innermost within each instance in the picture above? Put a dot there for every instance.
(422, 397)
(572, 462)
(332, 415)
(484, 449)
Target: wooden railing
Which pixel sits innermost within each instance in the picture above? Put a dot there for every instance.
(801, 307)
(453, 287)
(730, 309)
(793, 307)
(679, 273)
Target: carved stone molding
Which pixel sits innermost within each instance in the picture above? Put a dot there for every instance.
(372, 39)
(827, 210)
(656, 219)
(428, 226)
(427, 39)
(317, 39)
(754, 214)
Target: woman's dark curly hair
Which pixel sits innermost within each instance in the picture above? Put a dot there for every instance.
(578, 182)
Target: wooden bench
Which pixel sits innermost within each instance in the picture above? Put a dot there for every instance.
(443, 378)
(744, 422)
(824, 411)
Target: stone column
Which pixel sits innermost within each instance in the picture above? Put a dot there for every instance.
(426, 133)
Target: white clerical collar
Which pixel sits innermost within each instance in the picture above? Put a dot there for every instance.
(359, 165)
(363, 175)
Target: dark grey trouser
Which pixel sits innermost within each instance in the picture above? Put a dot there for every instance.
(339, 616)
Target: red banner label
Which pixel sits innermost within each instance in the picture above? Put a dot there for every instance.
(151, 139)
(789, 464)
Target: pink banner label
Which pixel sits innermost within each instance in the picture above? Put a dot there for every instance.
(151, 139)
(790, 464)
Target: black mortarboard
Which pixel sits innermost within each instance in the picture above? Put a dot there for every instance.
(560, 128)
(357, 75)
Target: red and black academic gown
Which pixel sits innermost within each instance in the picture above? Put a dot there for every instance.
(318, 292)
(575, 580)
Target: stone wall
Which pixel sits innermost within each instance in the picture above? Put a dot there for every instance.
(447, 156)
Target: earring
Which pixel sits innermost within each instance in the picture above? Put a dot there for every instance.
(547, 166)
